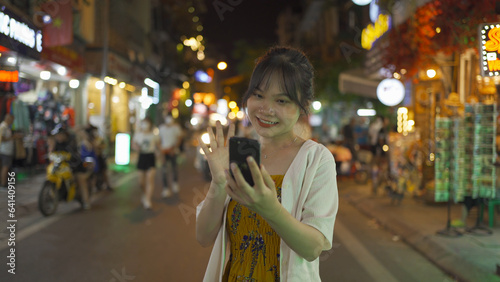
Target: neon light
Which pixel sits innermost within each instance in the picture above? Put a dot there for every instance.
(490, 46)
(374, 31)
(9, 76)
(122, 149)
(20, 32)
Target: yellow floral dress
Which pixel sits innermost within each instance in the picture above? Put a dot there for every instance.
(255, 247)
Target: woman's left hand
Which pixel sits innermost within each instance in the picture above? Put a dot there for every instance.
(262, 197)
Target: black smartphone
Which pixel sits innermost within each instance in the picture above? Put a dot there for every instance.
(240, 149)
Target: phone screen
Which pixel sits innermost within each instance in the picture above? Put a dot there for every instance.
(240, 149)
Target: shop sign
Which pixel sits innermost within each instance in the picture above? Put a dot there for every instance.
(372, 32)
(390, 92)
(19, 35)
(9, 76)
(122, 149)
(489, 38)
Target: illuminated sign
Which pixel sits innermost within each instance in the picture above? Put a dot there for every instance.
(9, 76)
(390, 92)
(374, 31)
(489, 60)
(122, 149)
(156, 89)
(19, 36)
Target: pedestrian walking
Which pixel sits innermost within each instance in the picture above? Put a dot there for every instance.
(350, 137)
(276, 229)
(171, 139)
(373, 134)
(99, 148)
(89, 161)
(6, 148)
(147, 144)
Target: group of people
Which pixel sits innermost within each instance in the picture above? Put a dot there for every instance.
(166, 146)
(87, 157)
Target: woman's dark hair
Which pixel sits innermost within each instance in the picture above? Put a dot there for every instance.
(292, 68)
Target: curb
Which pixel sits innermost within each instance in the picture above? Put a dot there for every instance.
(454, 265)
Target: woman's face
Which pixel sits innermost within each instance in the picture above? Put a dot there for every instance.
(271, 111)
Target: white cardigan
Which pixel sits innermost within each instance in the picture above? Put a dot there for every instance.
(308, 193)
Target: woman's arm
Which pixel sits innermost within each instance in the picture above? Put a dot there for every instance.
(51, 144)
(210, 212)
(210, 216)
(303, 239)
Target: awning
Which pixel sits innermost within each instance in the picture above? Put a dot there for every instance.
(356, 81)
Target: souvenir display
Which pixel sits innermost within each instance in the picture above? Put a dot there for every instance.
(463, 129)
(484, 152)
(443, 158)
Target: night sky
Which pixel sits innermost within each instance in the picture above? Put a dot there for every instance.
(251, 20)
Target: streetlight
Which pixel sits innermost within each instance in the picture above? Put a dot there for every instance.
(431, 73)
(222, 65)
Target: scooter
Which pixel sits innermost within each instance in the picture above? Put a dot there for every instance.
(59, 184)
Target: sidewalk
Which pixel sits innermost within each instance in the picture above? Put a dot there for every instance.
(466, 258)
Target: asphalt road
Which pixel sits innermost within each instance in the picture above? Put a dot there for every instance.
(117, 240)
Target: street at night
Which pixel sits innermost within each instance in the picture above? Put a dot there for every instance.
(120, 240)
(254, 141)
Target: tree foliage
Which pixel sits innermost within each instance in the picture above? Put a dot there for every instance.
(440, 26)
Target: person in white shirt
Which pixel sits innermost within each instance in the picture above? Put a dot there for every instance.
(171, 138)
(277, 229)
(6, 147)
(147, 144)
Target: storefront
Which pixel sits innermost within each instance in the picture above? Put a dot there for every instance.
(446, 148)
(118, 101)
(42, 86)
(20, 48)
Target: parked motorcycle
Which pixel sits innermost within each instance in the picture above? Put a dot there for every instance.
(59, 184)
(347, 167)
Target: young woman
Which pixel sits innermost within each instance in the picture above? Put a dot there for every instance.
(147, 144)
(276, 229)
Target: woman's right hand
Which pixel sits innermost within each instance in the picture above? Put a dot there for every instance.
(218, 154)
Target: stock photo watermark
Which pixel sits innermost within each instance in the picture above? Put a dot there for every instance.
(11, 222)
(188, 211)
(222, 7)
(121, 276)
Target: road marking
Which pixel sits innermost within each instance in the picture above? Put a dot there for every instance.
(377, 271)
(45, 222)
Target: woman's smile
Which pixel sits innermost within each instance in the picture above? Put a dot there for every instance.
(266, 123)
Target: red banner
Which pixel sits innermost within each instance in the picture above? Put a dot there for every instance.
(60, 31)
